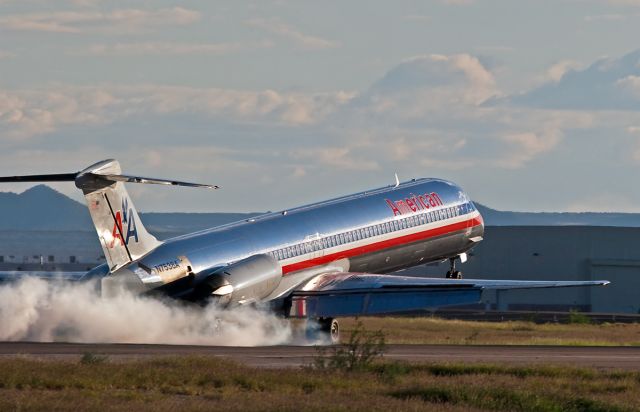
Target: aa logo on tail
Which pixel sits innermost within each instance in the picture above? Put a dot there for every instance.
(126, 217)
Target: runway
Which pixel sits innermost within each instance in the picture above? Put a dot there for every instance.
(294, 356)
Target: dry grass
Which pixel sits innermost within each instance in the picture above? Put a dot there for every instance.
(424, 330)
(208, 383)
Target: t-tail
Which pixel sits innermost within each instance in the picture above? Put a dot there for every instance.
(122, 235)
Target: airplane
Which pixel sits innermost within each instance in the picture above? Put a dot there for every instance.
(317, 262)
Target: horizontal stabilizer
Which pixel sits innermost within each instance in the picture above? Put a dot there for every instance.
(60, 177)
(155, 181)
(88, 178)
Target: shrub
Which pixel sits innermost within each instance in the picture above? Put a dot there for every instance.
(92, 359)
(358, 353)
(576, 317)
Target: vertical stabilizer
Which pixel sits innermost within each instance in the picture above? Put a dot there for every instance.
(122, 235)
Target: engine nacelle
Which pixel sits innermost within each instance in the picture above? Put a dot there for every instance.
(245, 281)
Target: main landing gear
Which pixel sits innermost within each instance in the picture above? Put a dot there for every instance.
(326, 330)
(452, 273)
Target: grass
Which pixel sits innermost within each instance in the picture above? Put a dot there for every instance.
(210, 383)
(425, 330)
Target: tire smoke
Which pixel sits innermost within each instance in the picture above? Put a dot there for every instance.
(33, 309)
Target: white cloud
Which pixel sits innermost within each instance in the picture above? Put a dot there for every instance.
(170, 48)
(631, 84)
(25, 114)
(342, 158)
(301, 40)
(427, 112)
(624, 2)
(608, 84)
(606, 17)
(424, 85)
(559, 69)
(529, 145)
(116, 22)
(6, 55)
(417, 17)
(458, 2)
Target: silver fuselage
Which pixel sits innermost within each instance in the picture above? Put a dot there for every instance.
(376, 231)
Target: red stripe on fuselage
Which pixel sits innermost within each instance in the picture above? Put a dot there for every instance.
(385, 244)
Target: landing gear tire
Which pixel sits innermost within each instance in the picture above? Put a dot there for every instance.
(453, 273)
(327, 330)
(456, 274)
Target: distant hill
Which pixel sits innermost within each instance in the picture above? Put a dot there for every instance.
(494, 217)
(43, 209)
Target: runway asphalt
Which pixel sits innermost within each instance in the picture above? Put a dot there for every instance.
(294, 356)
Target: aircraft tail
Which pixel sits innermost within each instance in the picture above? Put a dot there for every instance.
(122, 235)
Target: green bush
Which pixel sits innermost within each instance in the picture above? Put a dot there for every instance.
(576, 317)
(92, 359)
(358, 353)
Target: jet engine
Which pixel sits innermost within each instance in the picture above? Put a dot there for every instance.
(245, 281)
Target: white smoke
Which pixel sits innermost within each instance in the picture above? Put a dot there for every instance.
(36, 310)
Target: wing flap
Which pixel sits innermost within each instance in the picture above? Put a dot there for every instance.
(372, 302)
(356, 294)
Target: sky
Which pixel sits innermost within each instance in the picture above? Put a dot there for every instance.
(530, 106)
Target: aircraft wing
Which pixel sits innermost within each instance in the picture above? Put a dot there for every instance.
(354, 294)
